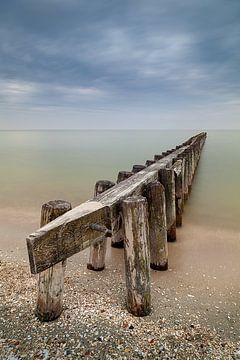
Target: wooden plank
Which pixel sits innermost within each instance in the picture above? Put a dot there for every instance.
(66, 235)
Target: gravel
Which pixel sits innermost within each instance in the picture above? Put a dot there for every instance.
(96, 325)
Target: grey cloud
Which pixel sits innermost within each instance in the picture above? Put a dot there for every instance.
(119, 54)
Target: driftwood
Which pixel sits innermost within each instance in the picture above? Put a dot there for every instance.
(51, 281)
(137, 257)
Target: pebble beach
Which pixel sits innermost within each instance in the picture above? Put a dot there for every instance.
(185, 322)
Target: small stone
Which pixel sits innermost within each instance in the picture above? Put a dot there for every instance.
(237, 354)
(151, 340)
(45, 354)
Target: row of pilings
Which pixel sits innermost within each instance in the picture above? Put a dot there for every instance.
(146, 221)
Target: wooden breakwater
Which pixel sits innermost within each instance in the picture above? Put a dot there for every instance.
(140, 213)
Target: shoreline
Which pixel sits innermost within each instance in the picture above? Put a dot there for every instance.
(95, 323)
(194, 305)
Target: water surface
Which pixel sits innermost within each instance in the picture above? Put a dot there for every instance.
(37, 166)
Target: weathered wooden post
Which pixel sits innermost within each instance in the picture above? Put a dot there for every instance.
(98, 249)
(182, 156)
(137, 256)
(123, 175)
(137, 168)
(166, 177)
(157, 226)
(165, 153)
(149, 162)
(189, 164)
(193, 161)
(158, 157)
(117, 240)
(178, 168)
(51, 281)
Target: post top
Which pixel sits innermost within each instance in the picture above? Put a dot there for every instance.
(60, 204)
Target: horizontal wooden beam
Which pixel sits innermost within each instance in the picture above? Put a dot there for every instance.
(66, 235)
(72, 232)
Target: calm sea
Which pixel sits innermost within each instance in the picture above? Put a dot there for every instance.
(37, 166)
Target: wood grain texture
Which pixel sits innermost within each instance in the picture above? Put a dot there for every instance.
(98, 249)
(155, 195)
(178, 168)
(166, 177)
(117, 240)
(137, 256)
(66, 235)
(51, 281)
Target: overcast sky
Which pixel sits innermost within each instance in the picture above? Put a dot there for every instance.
(120, 64)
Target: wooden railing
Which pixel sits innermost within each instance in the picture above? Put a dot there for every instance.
(140, 212)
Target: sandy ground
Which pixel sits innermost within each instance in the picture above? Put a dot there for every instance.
(195, 305)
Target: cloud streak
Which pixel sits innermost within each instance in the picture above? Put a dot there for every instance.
(119, 57)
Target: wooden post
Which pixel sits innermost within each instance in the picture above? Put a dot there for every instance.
(195, 150)
(182, 156)
(158, 157)
(157, 226)
(193, 161)
(51, 281)
(189, 165)
(178, 168)
(123, 175)
(165, 153)
(166, 177)
(137, 168)
(117, 240)
(98, 249)
(137, 257)
(149, 162)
